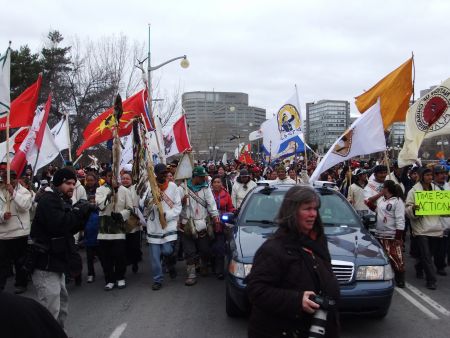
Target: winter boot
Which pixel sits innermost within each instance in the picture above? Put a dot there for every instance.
(191, 276)
(400, 279)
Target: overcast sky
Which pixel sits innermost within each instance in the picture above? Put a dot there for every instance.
(330, 49)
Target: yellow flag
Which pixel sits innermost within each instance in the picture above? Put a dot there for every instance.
(394, 91)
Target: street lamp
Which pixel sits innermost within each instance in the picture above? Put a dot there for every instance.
(184, 64)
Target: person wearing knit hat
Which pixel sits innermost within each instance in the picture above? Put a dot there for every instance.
(198, 212)
(427, 232)
(53, 226)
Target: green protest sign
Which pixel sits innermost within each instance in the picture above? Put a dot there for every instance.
(436, 202)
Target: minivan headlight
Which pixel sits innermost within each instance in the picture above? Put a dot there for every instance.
(375, 272)
(238, 269)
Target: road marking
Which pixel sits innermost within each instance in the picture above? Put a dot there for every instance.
(416, 303)
(428, 300)
(118, 331)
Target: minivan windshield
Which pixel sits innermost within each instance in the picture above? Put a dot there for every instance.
(263, 208)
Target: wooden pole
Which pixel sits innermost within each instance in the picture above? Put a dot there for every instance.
(8, 164)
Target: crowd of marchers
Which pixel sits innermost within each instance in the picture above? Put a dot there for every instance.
(46, 221)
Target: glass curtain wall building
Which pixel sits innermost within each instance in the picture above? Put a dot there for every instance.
(219, 121)
(326, 120)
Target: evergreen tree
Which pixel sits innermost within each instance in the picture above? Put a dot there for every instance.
(25, 68)
(56, 66)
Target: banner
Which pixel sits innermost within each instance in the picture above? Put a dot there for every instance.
(427, 117)
(436, 202)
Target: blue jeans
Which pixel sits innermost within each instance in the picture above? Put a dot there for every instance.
(166, 249)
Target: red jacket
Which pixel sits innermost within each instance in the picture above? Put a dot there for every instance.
(223, 201)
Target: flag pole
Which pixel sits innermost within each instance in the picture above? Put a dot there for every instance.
(301, 121)
(8, 163)
(66, 116)
(8, 159)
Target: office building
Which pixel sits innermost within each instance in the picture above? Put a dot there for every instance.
(326, 120)
(219, 121)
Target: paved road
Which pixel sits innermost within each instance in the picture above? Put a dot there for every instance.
(180, 311)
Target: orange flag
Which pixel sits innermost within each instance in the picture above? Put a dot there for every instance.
(394, 91)
(100, 129)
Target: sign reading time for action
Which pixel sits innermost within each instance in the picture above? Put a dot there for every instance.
(436, 202)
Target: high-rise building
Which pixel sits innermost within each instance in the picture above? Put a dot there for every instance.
(219, 121)
(326, 120)
(397, 134)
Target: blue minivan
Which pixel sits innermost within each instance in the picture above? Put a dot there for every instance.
(359, 262)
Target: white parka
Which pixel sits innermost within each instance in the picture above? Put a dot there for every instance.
(155, 233)
(19, 223)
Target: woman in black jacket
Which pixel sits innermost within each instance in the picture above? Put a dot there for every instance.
(289, 269)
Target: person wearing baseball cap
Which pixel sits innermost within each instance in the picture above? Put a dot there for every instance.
(162, 240)
(198, 207)
(356, 192)
(427, 232)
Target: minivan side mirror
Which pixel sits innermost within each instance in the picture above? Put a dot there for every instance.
(369, 220)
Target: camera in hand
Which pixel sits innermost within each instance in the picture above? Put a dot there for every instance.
(319, 320)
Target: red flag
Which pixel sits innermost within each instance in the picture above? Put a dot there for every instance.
(176, 140)
(100, 130)
(245, 156)
(33, 140)
(23, 107)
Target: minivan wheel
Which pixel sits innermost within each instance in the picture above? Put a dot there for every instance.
(230, 307)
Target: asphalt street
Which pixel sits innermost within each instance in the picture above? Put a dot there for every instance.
(199, 311)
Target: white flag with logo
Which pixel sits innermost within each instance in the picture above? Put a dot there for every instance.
(427, 117)
(282, 134)
(61, 134)
(365, 136)
(5, 75)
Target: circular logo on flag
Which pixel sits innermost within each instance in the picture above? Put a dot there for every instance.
(288, 119)
(432, 111)
(344, 145)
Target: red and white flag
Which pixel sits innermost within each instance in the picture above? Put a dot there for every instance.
(33, 141)
(176, 139)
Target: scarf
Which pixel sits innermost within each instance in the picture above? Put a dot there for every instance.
(163, 186)
(198, 187)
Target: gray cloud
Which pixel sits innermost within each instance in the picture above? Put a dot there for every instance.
(330, 49)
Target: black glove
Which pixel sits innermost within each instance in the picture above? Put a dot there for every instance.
(117, 217)
(83, 208)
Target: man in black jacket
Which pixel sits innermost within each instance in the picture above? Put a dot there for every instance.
(53, 226)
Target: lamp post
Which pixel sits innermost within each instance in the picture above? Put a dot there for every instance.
(184, 64)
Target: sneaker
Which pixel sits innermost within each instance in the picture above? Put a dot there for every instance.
(190, 281)
(90, 279)
(20, 289)
(109, 286)
(431, 285)
(442, 272)
(220, 276)
(121, 284)
(156, 286)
